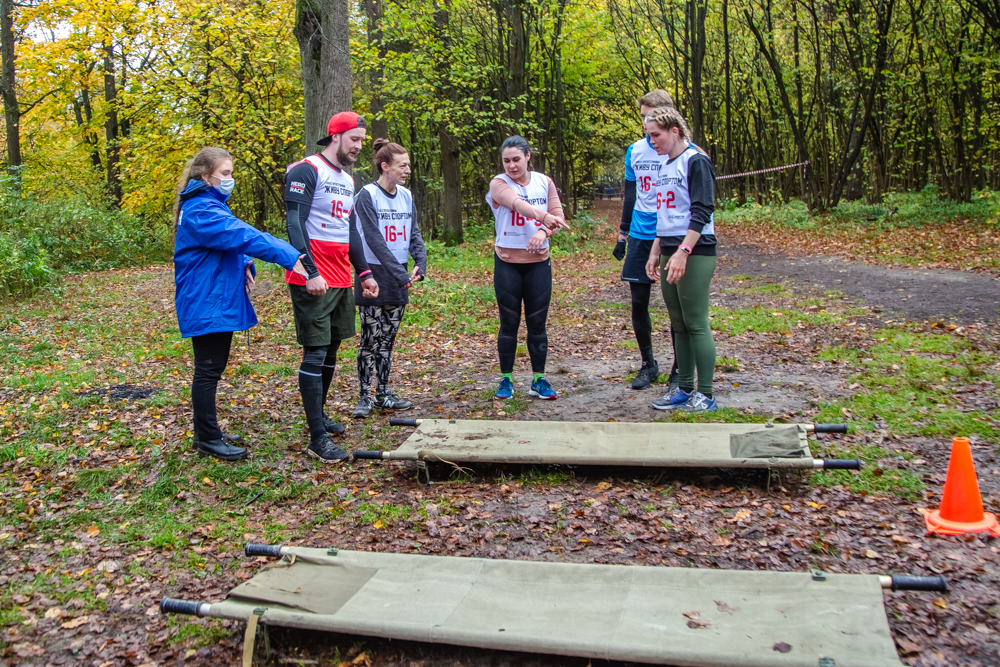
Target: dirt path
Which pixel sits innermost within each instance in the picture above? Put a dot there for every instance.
(911, 294)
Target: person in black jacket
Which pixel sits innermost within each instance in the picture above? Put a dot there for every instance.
(387, 223)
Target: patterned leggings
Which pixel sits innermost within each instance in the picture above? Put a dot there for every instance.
(379, 325)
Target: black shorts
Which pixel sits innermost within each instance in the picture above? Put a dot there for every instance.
(320, 320)
(634, 268)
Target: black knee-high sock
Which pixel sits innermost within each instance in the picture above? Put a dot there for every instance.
(642, 324)
(329, 366)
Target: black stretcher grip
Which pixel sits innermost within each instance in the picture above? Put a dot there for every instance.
(905, 582)
(402, 421)
(367, 454)
(829, 428)
(841, 464)
(172, 606)
(267, 550)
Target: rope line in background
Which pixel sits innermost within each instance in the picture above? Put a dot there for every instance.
(762, 171)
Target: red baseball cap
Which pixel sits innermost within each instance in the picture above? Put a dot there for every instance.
(341, 122)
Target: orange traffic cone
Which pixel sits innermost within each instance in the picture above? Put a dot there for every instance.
(961, 506)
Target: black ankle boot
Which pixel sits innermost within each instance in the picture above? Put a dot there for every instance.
(220, 449)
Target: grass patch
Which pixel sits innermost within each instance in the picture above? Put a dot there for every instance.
(872, 478)
(910, 380)
(723, 415)
(727, 364)
(766, 320)
(545, 477)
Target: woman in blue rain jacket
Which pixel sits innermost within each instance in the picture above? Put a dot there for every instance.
(213, 267)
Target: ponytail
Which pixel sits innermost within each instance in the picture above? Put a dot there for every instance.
(385, 151)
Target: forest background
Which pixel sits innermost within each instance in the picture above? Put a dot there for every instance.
(893, 103)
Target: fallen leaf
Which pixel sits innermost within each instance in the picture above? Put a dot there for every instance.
(603, 486)
(54, 612)
(725, 608)
(208, 481)
(93, 530)
(698, 625)
(109, 566)
(871, 553)
(782, 647)
(941, 603)
(76, 622)
(900, 539)
(741, 515)
(692, 614)
(379, 524)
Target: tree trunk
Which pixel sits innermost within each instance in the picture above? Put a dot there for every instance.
(696, 48)
(323, 33)
(451, 171)
(8, 90)
(112, 147)
(376, 77)
(728, 164)
(451, 174)
(516, 60)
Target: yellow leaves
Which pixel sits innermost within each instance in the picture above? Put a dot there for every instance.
(93, 530)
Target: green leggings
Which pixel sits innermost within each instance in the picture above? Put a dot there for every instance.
(687, 303)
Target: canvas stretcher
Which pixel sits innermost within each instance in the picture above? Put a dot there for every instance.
(612, 444)
(656, 615)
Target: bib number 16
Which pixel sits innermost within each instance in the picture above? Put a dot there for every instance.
(338, 210)
(518, 220)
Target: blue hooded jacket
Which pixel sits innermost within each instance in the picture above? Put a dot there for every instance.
(211, 252)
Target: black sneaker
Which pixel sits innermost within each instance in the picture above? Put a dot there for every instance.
(647, 375)
(323, 449)
(364, 407)
(391, 401)
(220, 449)
(332, 427)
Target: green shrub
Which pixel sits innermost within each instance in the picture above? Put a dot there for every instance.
(41, 240)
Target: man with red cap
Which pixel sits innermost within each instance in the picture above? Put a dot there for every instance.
(319, 202)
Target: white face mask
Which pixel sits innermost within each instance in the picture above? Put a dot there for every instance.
(226, 185)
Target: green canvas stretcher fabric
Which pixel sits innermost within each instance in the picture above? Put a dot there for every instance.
(672, 616)
(607, 443)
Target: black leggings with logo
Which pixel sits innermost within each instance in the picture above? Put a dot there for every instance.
(530, 285)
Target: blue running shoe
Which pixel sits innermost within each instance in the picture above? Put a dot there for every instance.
(542, 389)
(505, 390)
(699, 402)
(673, 399)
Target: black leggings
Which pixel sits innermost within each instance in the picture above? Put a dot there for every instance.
(211, 354)
(530, 284)
(642, 323)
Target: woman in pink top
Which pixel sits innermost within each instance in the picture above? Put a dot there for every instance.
(526, 211)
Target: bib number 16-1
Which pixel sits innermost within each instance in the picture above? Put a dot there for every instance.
(391, 234)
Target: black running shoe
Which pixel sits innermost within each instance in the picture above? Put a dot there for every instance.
(332, 427)
(323, 449)
(391, 401)
(647, 375)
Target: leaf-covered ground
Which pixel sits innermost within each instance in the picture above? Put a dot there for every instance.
(105, 509)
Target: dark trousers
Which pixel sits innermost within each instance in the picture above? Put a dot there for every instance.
(211, 354)
(531, 285)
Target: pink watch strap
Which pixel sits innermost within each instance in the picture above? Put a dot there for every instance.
(685, 248)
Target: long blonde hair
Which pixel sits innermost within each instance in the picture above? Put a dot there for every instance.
(198, 168)
(667, 118)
